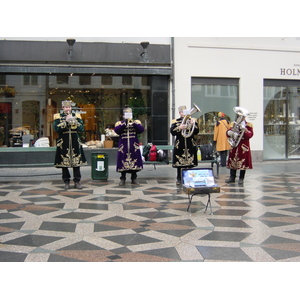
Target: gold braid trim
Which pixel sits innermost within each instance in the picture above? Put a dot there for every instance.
(56, 116)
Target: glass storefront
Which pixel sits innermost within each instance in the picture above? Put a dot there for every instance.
(213, 95)
(281, 119)
(28, 103)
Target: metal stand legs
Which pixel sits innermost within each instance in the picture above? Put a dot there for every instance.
(208, 201)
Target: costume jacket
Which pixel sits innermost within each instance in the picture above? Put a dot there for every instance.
(240, 157)
(220, 136)
(69, 151)
(129, 156)
(185, 149)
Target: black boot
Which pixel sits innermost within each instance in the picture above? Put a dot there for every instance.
(242, 176)
(231, 179)
(67, 185)
(178, 181)
(122, 182)
(77, 185)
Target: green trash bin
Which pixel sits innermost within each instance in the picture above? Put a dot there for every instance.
(99, 166)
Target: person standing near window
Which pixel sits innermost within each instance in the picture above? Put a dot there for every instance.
(220, 137)
(69, 151)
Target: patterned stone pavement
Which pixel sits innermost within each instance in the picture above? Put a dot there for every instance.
(257, 222)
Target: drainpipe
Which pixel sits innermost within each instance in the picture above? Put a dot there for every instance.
(173, 83)
(173, 78)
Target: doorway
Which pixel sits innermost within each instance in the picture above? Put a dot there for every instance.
(282, 121)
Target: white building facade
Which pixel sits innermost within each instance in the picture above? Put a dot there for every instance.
(258, 74)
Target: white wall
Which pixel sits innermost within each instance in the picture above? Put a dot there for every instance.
(250, 59)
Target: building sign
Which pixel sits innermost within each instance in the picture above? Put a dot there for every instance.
(252, 116)
(295, 71)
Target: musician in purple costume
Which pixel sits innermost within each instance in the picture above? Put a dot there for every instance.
(129, 159)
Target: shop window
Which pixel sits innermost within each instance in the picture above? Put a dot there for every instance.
(145, 81)
(34, 79)
(62, 79)
(2, 79)
(85, 80)
(101, 106)
(127, 80)
(212, 95)
(211, 90)
(106, 79)
(281, 119)
(30, 79)
(31, 116)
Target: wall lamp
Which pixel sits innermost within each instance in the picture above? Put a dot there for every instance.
(71, 42)
(144, 54)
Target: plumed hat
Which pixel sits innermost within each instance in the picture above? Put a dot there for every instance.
(182, 108)
(66, 103)
(127, 110)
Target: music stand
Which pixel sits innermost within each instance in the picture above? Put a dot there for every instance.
(199, 181)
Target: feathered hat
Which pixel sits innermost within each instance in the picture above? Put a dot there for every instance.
(66, 103)
(127, 110)
(182, 108)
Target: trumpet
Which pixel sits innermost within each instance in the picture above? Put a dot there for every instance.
(129, 123)
(188, 122)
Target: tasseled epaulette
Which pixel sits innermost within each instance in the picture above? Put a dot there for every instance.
(78, 115)
(56, 116)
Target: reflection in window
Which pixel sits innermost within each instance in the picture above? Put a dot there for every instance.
(215, 94)
(30, 79)
(31, 116)
(85, 80)
(35, 104)
(2, 79)
(106, 79)
(281, 121)
(62, 79)
(127, 80)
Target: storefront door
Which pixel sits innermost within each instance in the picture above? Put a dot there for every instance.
(281, 120)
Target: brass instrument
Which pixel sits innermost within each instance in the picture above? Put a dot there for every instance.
(187, 121)
(129, 123)
(238, 129)
(72, 121)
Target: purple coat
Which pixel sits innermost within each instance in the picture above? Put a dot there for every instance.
(129, 156)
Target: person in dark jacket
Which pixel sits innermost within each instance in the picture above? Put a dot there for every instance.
(129, 158)
(185, 148)
(69, 151)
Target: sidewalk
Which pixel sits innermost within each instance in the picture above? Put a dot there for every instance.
(258, 222)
